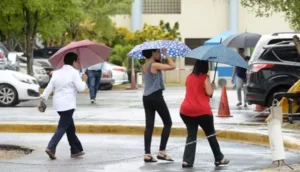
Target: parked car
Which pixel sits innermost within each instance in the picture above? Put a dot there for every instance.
(42, 56)
(270, 39)
(276, 69)
(119, 73)
(3, 56)
(16, 87)
(38, 71)
(106, 82)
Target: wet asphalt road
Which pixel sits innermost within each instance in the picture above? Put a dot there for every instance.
(103, 154)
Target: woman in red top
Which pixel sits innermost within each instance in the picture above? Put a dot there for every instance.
(195, 110)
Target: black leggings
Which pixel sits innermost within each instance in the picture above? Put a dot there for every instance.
(206, 122)
(155, 103)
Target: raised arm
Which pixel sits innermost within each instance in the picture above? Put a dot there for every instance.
(159, 66)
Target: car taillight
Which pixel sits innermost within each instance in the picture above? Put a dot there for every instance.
(1, 56)
(119, 69)
(105, 75)
(258, 67)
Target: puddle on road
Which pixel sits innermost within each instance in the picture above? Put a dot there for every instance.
(12, 152)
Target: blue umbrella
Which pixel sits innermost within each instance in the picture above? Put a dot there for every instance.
(174, 48)
(216, 40)
(219, 54)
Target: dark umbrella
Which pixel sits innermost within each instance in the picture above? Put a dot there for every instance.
(242, 40)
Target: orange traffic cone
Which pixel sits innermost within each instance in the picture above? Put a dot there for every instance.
(224, 106)
(259, 108)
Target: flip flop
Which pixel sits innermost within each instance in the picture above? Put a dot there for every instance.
(164, 157)
(222, 162)
(187, 165)
(151, 160)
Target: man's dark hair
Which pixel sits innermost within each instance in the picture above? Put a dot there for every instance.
(148, 53)
(241, 49)
(70, 58)
(200, 67)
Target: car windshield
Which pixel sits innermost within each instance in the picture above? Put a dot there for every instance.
(35, 63)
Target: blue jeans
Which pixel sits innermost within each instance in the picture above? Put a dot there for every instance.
(94, 77)
(66, 125)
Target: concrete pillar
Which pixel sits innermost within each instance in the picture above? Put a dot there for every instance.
(234, 15)
(136, 15)
(136, 24)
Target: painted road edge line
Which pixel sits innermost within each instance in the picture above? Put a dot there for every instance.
(257, 138)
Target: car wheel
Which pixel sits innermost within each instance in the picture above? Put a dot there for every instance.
(109, 87)
(270, 97)
(8, 96)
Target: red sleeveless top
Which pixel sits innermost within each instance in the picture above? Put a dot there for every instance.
(196, 102)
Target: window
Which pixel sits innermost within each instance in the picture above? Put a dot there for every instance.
(193, 43)
(288, 54)
(269, 56)
(162, 7)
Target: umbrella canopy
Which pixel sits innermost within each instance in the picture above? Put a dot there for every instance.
(219, 54)
(174, 48)
(89, 53)
(242, 40)
(216, 40)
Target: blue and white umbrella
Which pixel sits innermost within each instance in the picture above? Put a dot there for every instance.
(219, 54)
(174, 48)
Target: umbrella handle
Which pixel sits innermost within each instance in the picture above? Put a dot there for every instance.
(215, 72)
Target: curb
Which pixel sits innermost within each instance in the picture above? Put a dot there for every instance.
(232, 135)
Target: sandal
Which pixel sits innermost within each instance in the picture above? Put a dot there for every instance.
(163, 156)
(150, 160)
(187, 165)
(222, 162)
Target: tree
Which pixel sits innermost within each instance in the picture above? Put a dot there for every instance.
(267, 7)
(96, 22)
(119, 55)
(23, 19)
(162, 31)
(125, 40)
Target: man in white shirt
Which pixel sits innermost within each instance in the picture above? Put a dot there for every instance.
(94, 74)
(66, 83)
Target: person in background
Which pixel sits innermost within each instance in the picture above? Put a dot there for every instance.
(153, 101)
(94, 76)
(66, 83)
(241, 77)
(195, 111)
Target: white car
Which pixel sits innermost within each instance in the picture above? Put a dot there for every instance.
(119, 73)
(38, 71)
(16, 87)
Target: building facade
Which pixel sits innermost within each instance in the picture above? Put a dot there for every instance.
(199, 20)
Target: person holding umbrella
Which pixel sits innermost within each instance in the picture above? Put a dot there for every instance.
(241, 77)
(66, 82)
(195, 111)
(153, 101)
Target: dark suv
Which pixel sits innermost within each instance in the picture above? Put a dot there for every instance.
(276, 70)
